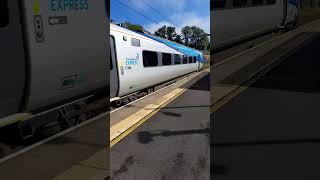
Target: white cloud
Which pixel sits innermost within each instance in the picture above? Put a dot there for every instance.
(182, 19)
(158, 4)
(137, 4)
(153, 26)
(191, 19)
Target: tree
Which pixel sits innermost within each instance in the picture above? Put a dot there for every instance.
(171, 33)
(208, 46)
(167, 32)
(133, 27)
(178, 39)
(162, 32)
(192, 36)
(200, 38)
(195, 37)
(186, 32)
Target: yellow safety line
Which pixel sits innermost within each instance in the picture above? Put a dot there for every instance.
(14, 119)
(140, 117)
(239, 89)
(126, 126)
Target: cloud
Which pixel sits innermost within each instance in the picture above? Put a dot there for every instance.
(138, 4)
(143, 4)
(191, 19)
(153, 26)
(182, 19)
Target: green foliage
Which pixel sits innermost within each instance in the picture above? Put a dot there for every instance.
(162, 32)
(167, 32)
(195, 37)
(133, 27)
(178, 39)
(171, 33)
(186, 32)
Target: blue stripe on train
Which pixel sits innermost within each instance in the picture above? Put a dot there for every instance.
(294, 2)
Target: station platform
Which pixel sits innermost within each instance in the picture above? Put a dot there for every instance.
(266, 125)
(168, 137)
(229, 73)
(80, 153)
(125, 119)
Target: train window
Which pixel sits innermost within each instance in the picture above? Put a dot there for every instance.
(194, 59)
(190, 59)
(135, 42)
(166, 59)
(239, 3)
(184, 59)
(113, 55)
(269, 2)
(4, 13)
(177, 59)
(150, 58)
(257, 2)
(218, 4)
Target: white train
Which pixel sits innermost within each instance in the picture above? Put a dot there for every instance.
(236, 20)
(140, 61)
(45, 64)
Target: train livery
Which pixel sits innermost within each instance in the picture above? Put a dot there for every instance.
(140, 61)
(42, 63)
(236, 20)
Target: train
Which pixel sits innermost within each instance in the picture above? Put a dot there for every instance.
(49, 75)
(140, 61)
(234, 21)
(43, 68)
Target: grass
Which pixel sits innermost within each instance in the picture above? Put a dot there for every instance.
(309, 14)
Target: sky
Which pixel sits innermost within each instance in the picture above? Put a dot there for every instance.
(177, 13)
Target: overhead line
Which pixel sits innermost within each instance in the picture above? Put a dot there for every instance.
(155, 10)
(138, 12)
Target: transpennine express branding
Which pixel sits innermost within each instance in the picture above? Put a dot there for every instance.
(131, 61)
(68, 5)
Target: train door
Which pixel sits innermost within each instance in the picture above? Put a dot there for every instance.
(284, 12)
(12, 63)
(67, 54)
(292, 11)
(114, 78)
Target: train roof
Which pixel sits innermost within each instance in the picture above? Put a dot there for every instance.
(123, 30)
(127, 31)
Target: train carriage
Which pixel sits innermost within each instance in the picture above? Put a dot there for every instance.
(236, 20)
(43, 67)
(140, 61)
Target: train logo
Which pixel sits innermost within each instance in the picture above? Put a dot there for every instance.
(72, 81)
(68, 5)
(131, 61)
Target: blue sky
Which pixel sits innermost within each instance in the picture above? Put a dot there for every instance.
(178, 13)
